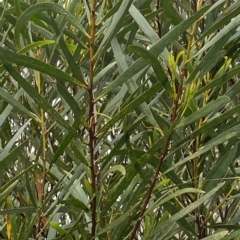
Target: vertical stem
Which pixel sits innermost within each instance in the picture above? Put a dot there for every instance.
(149, 192)
(158, 20)
(191, 35)
(41, 178)
(92, 139)
(43, 130)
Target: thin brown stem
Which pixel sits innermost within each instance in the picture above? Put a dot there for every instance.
(149, 192)
(158, 21)
(91, 116)
(41, 177)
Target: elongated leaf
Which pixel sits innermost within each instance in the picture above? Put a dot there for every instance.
(22, 60)
(34, 45)
(142, 98)
(18, 106)
(173, 195)
(223, 137)
(211, 58)
(217, 236)
(219, 81)
(26, 15)
(220, 169)
(39, 99)
(170, 12)
(131, 83)
(11, 143)
(155, 50)
(60, 230)
(7, 192)
(222, 21)
(161, 228)
(115, 25)
(232, 236)
(204, 111)
(158, 69)
(30, 210)
(227, 30)
(209, 125)
(64, 143)
(115, 223)
(143, 24)
(71, 61)
(6, 160)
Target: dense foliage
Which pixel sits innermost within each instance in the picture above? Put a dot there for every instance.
(119, 119)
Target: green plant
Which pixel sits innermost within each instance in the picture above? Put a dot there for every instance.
(119, 119)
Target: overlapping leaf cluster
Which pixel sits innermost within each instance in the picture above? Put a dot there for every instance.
(133, 137)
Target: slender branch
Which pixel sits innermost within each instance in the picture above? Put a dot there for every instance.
(41, 178)
(91, 115)
(158, 20)
(149, 192)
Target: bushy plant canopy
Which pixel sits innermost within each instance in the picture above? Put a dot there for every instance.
(119, 119)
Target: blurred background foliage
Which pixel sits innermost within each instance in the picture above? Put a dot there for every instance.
(119, 119)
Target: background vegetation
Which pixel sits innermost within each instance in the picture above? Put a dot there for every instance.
(119, 119)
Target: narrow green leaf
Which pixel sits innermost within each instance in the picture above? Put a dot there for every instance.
(112, 11)
(4, 194)
(13, 140)
(157, 67)
(35, 45)
(39, 99)
(219, 81)
(26, 61)
(170, 12)
(184, 223)
(17, 177)
(204, 111)
(177, 193)
(103, 72)
(70, 59)
(17, 7)
(17, 105)
(215, 5)
(216, 236)
(222, 21)
(60, 230)
(116, 23)
(135, 103)
(220, 169)
(232, 236)
(119, 168)
(225, 226)
(155, 50)
(74, 203)
(208, 62)
(221, 138)
(209, 125)
(128, 190)
(31, 210)
(121, 141)
(131, 173)
(134, 160)
(12, 156)
(78, 113)
(166, 225)
(116, 222)
(129, 86)
(143, 24)
(226, 31)
(63, 145)
(39, 7)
